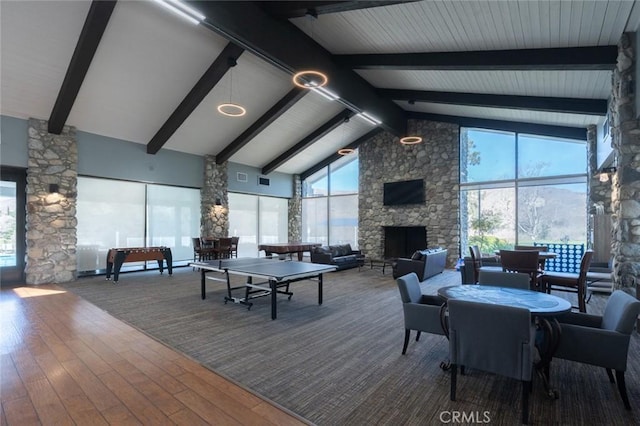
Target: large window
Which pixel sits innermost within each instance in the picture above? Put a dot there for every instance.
(521, 189)
(115, 213)
(257, 220)
(330, 204)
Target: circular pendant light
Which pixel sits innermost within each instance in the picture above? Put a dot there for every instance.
(231, 110)
(310, 79)
(411, 140)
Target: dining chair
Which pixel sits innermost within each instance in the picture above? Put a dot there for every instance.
(539, 249)
(476, 259)
(602, 341)
(197, 249)
(570, 282)
(493, 338)
(421, 311)
(223, 248)
(523, 261)
(504, 279)
(234, 246)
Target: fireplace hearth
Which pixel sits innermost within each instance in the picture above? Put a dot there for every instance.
(403, 241)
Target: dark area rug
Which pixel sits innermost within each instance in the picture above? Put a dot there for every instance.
(340, 363)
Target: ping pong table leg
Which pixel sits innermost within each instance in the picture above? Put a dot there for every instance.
(202, 279)
(274, 299)
(320, 289)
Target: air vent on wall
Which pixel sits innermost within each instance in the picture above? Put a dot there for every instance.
(263, 181)
(242, 177)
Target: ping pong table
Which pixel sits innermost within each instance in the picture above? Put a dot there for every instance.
(277, 275)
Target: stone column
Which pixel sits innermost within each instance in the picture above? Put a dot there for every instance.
(295, 211)
(625, 197)
(214, 220)
(51, 222)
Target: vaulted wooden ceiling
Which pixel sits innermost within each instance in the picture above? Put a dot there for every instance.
(134, 71)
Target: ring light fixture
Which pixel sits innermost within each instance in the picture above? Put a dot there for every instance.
(310, 79)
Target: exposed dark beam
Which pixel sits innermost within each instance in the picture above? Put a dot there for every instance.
(90, 36)
(334, 122)
(283, 45)
(262, 123)
(565, 58)
(209, 79)
(297, 9)
(567, 132)
(536, 103)
(335, 156)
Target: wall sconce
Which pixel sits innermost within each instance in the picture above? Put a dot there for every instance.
(605, 173)
(218, 202)
(54, 188)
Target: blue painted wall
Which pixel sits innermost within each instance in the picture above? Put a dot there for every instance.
(13, 142)
(101, 156)
(280, 184)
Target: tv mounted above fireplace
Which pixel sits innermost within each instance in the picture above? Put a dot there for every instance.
(403, 192)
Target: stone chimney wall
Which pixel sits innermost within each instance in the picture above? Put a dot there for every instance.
(436, 160)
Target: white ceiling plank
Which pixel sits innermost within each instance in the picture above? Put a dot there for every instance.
(38, 40)
(536, 117)
(526, 83)
(303, 118)
(139, 75)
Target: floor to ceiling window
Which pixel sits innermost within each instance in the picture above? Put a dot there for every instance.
(521, 189)
(330, 204)
(257, 220)
(114, 213)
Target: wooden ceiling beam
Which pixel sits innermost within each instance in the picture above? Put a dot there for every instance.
(261, 123)
(209, 79)
(283, 45)
(298, 9)
(564, 58)
(94, 26)
(308, 140)
(534, 103)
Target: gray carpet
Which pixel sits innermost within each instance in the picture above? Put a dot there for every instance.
(341, 363)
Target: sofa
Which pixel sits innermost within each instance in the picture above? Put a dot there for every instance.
(425, 263)
(342, 256)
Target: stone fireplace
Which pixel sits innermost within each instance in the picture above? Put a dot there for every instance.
(403, 241)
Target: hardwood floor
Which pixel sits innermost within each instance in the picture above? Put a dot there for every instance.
(64, 361)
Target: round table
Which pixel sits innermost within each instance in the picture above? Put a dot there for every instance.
(543, 307)
(538, 303)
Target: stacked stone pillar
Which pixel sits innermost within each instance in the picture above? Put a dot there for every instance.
(214, 219)
(625, 196)
(295, 210)
(51, 216)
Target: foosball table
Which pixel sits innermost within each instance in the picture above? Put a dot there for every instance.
(117, 256)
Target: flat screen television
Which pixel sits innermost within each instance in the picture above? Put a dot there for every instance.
(404, 192)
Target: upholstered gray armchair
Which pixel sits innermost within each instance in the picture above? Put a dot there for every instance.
(602, 341)
(421, 311)
(493, 338)
(504, 279)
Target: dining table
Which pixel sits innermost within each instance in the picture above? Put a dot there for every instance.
(544, 309)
